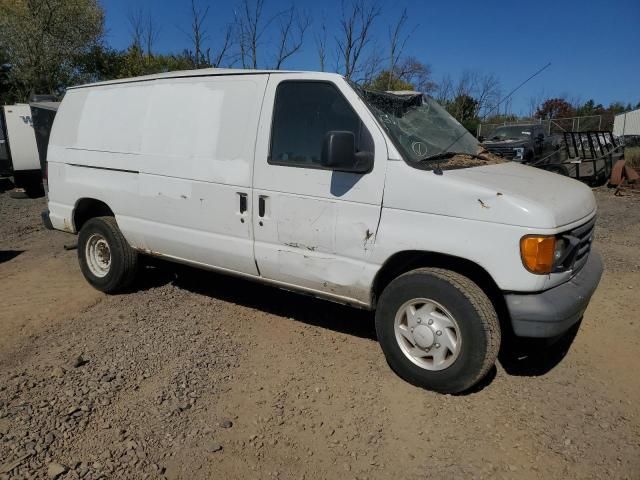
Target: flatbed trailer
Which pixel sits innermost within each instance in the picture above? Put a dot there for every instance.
(586, 156)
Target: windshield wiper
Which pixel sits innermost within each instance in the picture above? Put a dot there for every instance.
(443, 155)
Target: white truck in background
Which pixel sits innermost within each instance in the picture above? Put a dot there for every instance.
(306, 181)
(18, 149)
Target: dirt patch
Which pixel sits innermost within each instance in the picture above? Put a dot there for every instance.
(196, 375)
(485, 157)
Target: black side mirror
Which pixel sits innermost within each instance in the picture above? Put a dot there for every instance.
(481, 138)
(339, 153)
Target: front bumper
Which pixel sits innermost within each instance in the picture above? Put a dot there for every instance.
(552, 312)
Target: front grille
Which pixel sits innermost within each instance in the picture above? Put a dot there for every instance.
(580, 239)
(503, 150)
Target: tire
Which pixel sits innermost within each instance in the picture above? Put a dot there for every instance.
(461, 312)
(107, 261)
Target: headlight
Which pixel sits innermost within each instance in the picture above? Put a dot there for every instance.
(542, 254)
(560, 250)
(519, 152)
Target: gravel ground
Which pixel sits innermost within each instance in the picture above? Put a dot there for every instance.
(195, 375)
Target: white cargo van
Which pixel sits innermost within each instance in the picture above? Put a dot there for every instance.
(307, 182)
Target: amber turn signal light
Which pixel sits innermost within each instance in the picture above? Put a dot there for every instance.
(537, 253)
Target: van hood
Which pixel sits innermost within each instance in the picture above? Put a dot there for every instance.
(507, 193)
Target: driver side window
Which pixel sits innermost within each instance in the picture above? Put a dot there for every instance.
(304, 112)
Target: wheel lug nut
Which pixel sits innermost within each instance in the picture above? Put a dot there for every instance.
(419, 320)
(437, 345)
(439, 332)
(412, 330)
(430, 322)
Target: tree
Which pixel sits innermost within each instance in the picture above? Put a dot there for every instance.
(354, 35)
(397, 42)
(386, 81)
(444, 90)
(409, 74)
(413, 71)
(466, 108)
(292, 27)
(250, 27)
(590, 108)
(555, 108)
(199, 34)
(321, 45)
(487, 93)
(144, 32)
(42, 40)
(616, 108)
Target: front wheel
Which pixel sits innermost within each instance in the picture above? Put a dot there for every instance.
(438, 329)
(106, 259)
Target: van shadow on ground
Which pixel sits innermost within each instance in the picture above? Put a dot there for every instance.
(6, 185)
(6, 255)
(518, 357)
(303, 308)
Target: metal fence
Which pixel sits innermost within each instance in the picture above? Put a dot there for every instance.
(556, 125)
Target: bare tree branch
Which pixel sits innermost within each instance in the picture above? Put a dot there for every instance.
(418, 74)
(227, 43)
(198, 32)
(321, 45)
(444, 90)
(355, 33)
(293, 26)
(487, 93)
(137, 29)
(249, 28)
(397, 42)
(151, 34)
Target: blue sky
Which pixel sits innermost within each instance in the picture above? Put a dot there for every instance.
(593, 45)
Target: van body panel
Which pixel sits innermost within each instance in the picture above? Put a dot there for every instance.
(318, 229)
(506, 193)
(185, 148)
(456, 214)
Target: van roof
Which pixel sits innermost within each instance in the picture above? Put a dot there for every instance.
(203, 72)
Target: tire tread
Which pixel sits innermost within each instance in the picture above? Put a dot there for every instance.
(486, 320)
(129, 255)
(483, 306)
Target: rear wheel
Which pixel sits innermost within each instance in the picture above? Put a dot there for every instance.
(438, 329)
(106, 259)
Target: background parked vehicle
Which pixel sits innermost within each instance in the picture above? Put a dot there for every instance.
(522, 143)
(18, 149)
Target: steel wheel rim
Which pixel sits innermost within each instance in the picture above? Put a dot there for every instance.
(98, 255)
(427, 334)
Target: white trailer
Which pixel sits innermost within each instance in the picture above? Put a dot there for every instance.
(626, 124)
(19, 155)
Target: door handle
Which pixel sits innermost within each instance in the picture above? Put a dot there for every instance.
(262, 206)
(243, 202)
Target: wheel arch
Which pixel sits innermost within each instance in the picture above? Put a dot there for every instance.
(405, 261)
(87, 208)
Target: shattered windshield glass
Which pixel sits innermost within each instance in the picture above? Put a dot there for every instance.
(514, 132)
(419, 127)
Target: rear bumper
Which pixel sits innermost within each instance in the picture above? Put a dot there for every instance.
(46, 221)
(552, 312)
